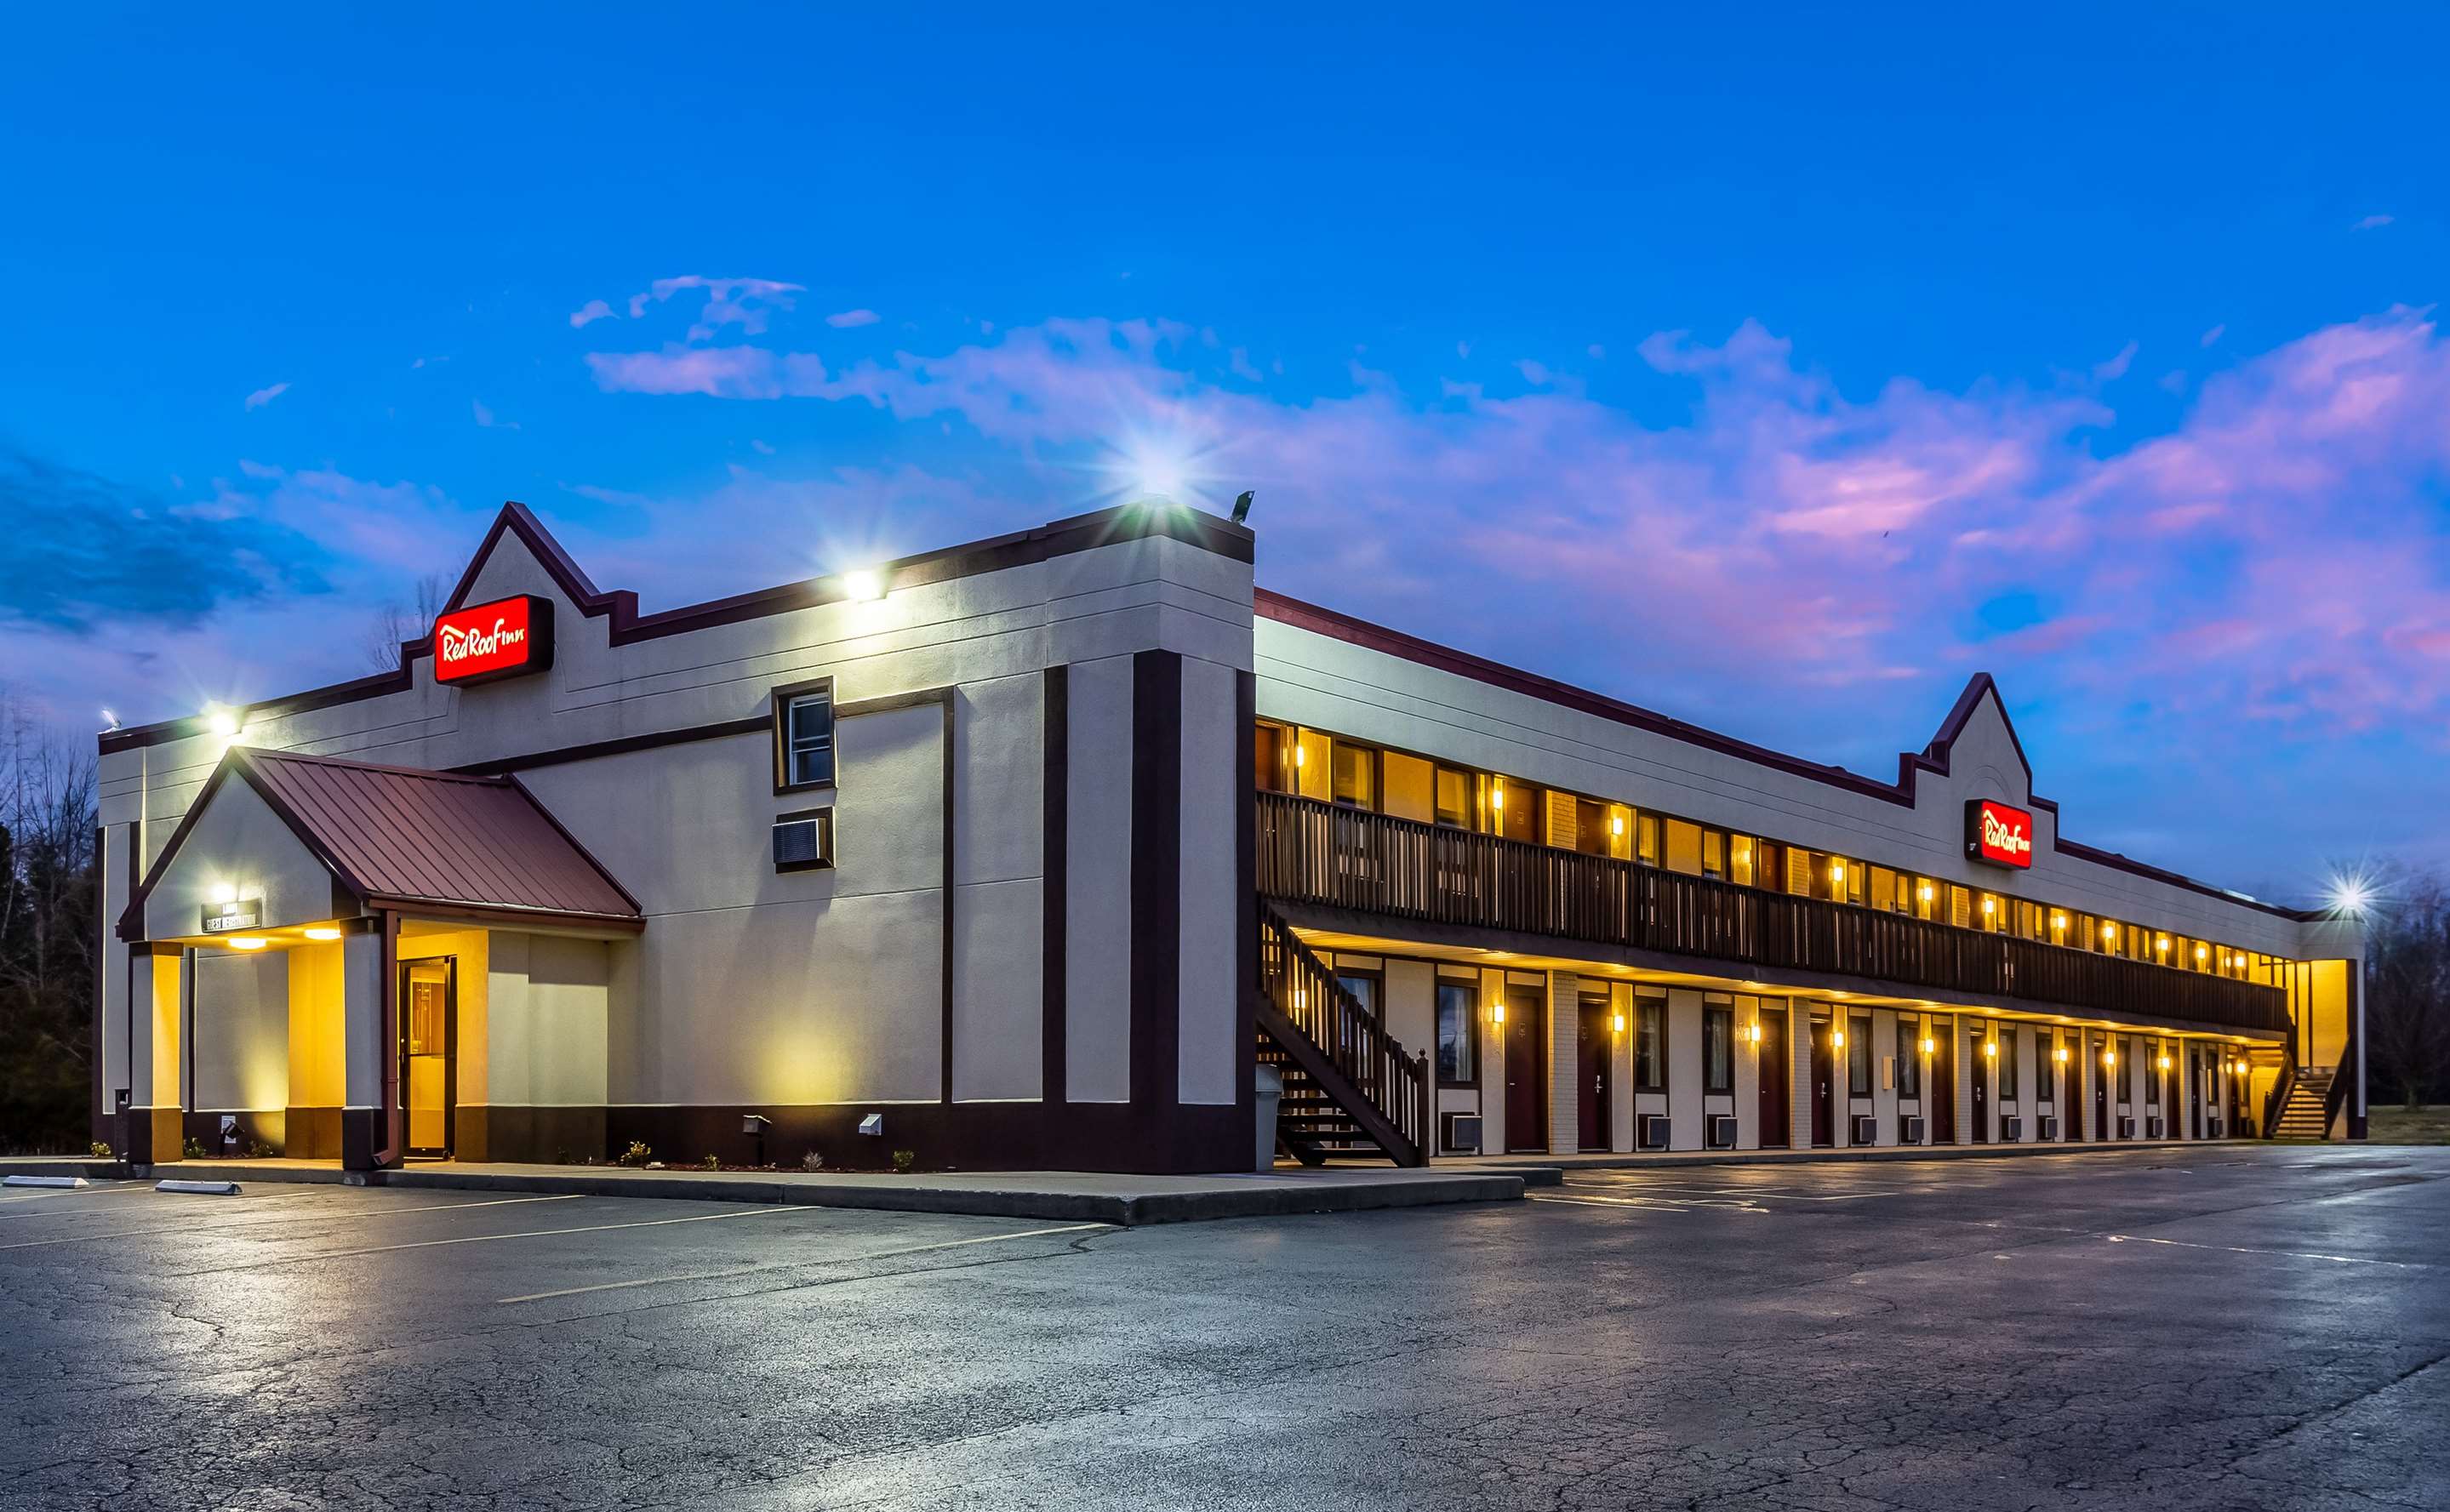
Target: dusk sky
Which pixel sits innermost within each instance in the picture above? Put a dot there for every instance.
(1775, 370)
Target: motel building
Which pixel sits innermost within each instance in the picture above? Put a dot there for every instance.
(1075, 849)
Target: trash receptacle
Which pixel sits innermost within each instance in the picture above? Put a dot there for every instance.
(1267, 1087)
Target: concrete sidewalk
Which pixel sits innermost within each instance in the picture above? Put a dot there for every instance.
(1670, 1159)
(1079, 1196)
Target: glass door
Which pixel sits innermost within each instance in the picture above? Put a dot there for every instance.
(429, 1052)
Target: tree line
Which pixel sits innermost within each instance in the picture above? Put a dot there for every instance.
(49, 937)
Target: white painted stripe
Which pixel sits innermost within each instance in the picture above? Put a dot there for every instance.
(495, 1238)
(273, 1223)
(60, 1199)
(2280, 1254)
(800, 1264)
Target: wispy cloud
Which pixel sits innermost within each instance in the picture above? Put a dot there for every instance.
(487, 419)
(265, 396)
(851, 317)
(2372, 222)
(587, 313)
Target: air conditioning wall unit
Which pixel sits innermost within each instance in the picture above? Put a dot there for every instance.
(2046, 1128)
(804, 842)
(1910, 1128)
(1719, 1130)
(2126, 1126)
(2011, 1128)
(1461, 1136)
(1651, 1131)
(2156, 1127)
(1863, 1129)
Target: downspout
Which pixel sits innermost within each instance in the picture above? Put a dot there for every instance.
(387, 1154)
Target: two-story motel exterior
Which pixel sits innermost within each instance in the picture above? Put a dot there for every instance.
(1043, 850)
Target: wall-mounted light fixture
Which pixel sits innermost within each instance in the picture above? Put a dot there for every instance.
(2201, 953)
(1928, 1045)
(2164, 1063)
(1926, 892)
(1837, 871)
(1618, 1023)
(1836, 1038)
(863, 583)
(1616, 825)
(1301, 757)
(2161, 944)
(2110, 1057)
(1757, 1031)
(2110, 931)
(2063, 1054)
(1991, 1047)
(222, 720)
(1497, 1012)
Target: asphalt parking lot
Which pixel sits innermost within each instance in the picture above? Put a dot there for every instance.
(2238, 1327)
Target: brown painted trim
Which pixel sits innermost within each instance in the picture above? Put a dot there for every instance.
(1081, 532)
(1933, 757)
(394, 1113)
(886, 703)
(624, 745)
(1156, 974)
(1054, 826)
(97, 1119)
(1246, 911)
(954, 1136)
(952, 890)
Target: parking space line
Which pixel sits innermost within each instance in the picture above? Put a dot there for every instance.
(2283, 1254)
(494, 1238)
(270, 1223)
(797, 1264)
(56, 1197)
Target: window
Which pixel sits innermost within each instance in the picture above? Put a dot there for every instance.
(1740, 860)
(1454, 797)
(2008, 1037)
(1363, 987)
(804, 737)
(1268, 757)
(1356, 775)
(1683, 846)
(1650, 1045)
(1908, 1059)
(1458, 1033)
(1647, 839)
(1714, 852)
(1718, 1049)
(1858, 1057)
(2046, 1065)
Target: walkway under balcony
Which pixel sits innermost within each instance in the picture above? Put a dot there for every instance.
(1346, 871)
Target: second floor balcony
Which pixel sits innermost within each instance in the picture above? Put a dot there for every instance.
(1397, 869)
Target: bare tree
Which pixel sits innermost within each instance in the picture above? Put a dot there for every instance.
(396, 624)
(2407, 988)
(48, 934)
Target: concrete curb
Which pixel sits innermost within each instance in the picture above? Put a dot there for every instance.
(1678, 1160)
(1231, 1197)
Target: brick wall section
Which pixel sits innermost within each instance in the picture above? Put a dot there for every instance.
(1565, 1021)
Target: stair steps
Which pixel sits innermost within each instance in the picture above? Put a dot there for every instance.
(2302, 1115)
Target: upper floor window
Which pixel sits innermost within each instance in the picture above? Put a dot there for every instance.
(803, 736)
(1355, 775)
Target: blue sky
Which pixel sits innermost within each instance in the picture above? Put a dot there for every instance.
(1777, 369)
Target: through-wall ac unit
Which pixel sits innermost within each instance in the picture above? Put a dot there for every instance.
(2046, 1128)
(804, 842)
(2156, 1127)
(1720, 1129)
(1909, 1128)
(1461, 1136)
(2011, 1128)
(1862, 1129)
(2126, 1126)
(1651, 1130)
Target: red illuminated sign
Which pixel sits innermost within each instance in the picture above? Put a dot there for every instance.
(1998, 834)
(500, 639)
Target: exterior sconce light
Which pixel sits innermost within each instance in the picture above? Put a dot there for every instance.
(1928, 1045)
(1301, 757)
(1301, 999)
(2110, 931)
(1497, 1012)
(2164, 1063)
(866, 582)
(2058, 921)
(1497, 794)
(2062, 1055)
(1989, 906)
(1836, 1038)
(221, 719)
(2161, 944)
(225, 893)
(1616, 825)
(1618, 1024)
(1926, 892)
(2201, 953)
(2110, 1057)
(1756, 1032)
(1837, 871)
(1991, 1047)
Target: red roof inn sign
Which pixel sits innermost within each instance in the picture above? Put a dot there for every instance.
(1998, 834)
(501, 639)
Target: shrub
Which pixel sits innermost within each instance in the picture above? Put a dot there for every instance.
(101, 1150)
(905, 1160)
(193, 1149)
(638, 1155)
(712, 1163)
(813, 1161)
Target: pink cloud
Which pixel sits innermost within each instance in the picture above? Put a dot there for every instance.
(592, 311)
(851, 318)
(265, 396)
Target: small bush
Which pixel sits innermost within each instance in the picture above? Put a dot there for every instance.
(101, 1150)
(261, 1151)
(193, 1149)
(813, 1161)
(714, 1164)
(638, 1155)
(905, 1160)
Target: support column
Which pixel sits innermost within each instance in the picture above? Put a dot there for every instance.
(1960, 1065)
(1799, 1079)
(369, 1066)
(156, 1059)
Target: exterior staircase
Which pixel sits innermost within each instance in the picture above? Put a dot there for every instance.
(1349, 1087)
(2306, 1114)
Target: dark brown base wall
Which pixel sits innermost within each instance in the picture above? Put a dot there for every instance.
(266, 1125)
(529, 1134)
(961, 1137)
(314, 1134)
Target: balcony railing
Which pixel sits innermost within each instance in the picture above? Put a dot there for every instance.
(1317, 853)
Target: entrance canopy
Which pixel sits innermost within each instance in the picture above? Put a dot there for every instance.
(280, 843)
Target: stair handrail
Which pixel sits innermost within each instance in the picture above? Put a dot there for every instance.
(1393, 1081)
(2281, 1086)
